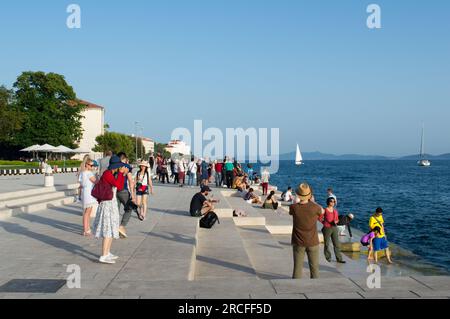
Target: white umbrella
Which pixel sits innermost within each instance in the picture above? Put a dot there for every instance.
(46, 149)
(81, 151)
(31, 148)
(63, 150)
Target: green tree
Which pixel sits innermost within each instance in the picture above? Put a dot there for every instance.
(115, 142)
(161, 148)
(11, 118)
(51, 109)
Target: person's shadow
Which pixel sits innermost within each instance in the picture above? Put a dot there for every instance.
(51, 241)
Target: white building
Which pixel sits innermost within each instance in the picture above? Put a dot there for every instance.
(149, 145)
(175, 147)
(93, 125)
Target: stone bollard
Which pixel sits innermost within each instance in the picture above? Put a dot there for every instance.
(49, 179)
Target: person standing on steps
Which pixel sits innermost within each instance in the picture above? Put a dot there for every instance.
(331, 232)
(218, 167)
(192, 172)
(265, 178)
(229, 167)
(305, 238)
(107, 220)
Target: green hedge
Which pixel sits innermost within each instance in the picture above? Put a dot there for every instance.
(69, 163)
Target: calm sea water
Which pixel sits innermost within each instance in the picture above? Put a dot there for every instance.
(416, 200)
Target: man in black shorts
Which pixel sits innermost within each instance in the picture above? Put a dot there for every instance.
(200, 205)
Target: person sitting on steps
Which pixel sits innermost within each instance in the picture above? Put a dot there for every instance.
(200, 205)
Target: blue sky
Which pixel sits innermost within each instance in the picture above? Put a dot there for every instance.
(311, 68)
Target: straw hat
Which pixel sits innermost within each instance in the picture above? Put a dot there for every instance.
(304, 192)
(144, 163)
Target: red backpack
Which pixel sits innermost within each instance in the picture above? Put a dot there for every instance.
(102, 191)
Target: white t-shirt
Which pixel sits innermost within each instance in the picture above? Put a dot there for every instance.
(192, 167)
(142, 178)
(287, 196)
(265, 177)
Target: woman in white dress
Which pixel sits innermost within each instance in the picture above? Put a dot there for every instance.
(87, 182)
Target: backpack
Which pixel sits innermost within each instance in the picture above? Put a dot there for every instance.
(102, 191)
(209, 220)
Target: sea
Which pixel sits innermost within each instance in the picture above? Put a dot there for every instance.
(415, 200)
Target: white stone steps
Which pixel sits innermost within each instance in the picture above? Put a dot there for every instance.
(24, 201)
(221, 253)
(36, 206)
(4, 197)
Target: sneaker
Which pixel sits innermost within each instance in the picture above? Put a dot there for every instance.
(106, 260)
(112, 257)
(341, 261)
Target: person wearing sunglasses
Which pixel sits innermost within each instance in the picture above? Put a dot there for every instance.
(87, 182)
(330, 231)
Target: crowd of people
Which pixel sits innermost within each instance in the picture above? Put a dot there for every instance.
(109, 184)
(306, 212)
(112, 183)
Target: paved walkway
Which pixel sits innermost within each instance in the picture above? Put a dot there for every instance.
(25, 182)
(168, 256)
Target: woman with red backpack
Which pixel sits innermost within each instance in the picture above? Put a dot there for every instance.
(107, 220)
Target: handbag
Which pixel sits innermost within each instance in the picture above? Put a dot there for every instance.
(102, 191)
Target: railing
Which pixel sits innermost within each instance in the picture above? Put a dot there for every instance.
(35, 171)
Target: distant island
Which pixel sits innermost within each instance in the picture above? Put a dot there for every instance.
(318, 156)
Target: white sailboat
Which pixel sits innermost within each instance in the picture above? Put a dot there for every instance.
(423, 161)
(298, 157)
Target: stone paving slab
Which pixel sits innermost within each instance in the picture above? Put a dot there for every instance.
(267, 296)
(342, 295)
(156, 257)
(333, 285)
(19, 183)
(392, 284)
(434, 282)
(221, 253)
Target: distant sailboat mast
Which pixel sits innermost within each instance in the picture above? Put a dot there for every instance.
(422, 160)
(298, 157)
(422, 144)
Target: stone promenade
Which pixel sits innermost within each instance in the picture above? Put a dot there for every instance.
(169, 256)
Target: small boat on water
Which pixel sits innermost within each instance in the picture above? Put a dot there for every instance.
(298, 157)
(423, 162)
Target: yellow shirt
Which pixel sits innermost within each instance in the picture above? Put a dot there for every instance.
(377, 221)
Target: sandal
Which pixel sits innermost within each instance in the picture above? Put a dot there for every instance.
(87, 233)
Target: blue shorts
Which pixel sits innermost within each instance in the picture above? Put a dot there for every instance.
(380, 244)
